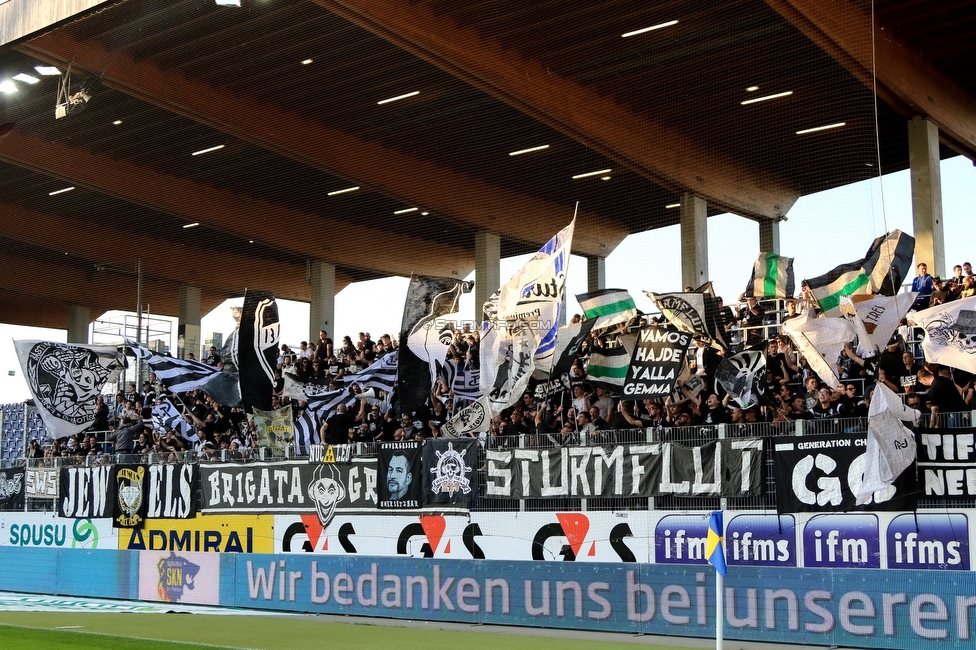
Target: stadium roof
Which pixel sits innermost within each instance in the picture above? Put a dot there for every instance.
(256, 122)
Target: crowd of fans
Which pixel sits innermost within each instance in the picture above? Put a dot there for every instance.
(788, 392)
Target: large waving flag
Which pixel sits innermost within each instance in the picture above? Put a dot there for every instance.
(430, 302)
(693, 312)
(890, 445)
(950, 333)
(820, 341)
(714, 549)
(772, 277)
(875, 318)
(184, 375)
(608, 307)
(257, 349)
(519, 318)
(607, 367)
(166, 416)
(381, 374)
(65, 380)
(881, 270)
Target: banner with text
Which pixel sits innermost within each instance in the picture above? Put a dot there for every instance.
(723, 468)
(947, 463)
(12, 485)
(656, 363)
(401, 481)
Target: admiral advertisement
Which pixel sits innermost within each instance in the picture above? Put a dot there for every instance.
(947, 463)
(214, 534)
(12, 486)
(45, 530)
(128, 493)
(726, 468)
(823, 474)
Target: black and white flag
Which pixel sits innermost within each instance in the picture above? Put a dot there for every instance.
(659, 355)
(165, 416)
(86, 492)
(450, 472)
(381, 374)
(65, 381)
(172, 491)
(429, 313)
(178, 375)
(306, 424)
(743, 377)
(12, 488)
(692, 312)
(257, 349)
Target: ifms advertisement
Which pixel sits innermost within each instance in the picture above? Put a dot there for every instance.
(940, 541)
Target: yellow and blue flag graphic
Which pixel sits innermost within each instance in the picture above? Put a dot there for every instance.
(714, 550)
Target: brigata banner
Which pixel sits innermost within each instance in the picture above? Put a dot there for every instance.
(824, 474)
(288, 487)
(722, 468)
(947, 463)
(656, 363)
(12, 488)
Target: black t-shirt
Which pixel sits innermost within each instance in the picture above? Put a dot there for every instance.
(339, 425)
(943, 394)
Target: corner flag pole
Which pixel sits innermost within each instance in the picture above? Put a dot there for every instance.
(715, 552)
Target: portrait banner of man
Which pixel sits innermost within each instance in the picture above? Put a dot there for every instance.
(450, 469)
(399, 481)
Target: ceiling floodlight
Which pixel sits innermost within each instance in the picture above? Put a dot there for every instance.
(8, 86)
(752, 89)
(348, 189)
(70, 103)
(822, 128)
(649, 29)
(47, 70)
(26, 78)
(306, 61)
(762, 99)
(669, 206)
(529, 150)
(207, 150)
(398, 97)
(602, 172)
(228, 3)
(117, 122)
(406, 211)
(191, 225)
(61, 191)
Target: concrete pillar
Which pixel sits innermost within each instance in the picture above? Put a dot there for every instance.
(79, 318)
(694, 241)
(769, 236)
(923, 156)
(189, 322)
(322, 312)
(596, 273)
(487, 270)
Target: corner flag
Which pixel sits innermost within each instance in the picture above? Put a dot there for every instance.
(714, 551)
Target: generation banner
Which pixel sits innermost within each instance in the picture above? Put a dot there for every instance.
(823, 474)
(657, 361)
(724, 468)
(451, 476)
(12, 488)
(947, 463)
(400, 480)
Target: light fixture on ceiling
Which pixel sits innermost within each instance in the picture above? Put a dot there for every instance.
(26, 78)
(601, 172)
(836, 125)
(306, 61)
(424, 214)
(649, 29)
(207, 150)
(752, 89)
(61, 191)
(406, 210)
(670, 206)
(529, 150)
(604, 178)
(117, 122)
(191, 225)
(767, 97)
(348, 189)
(71, 103)
(228, 3)
(7, 86)
(47, 70)
(398, 97)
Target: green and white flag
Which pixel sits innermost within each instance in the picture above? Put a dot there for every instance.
(607, 368)
(608, 307)
(882, 269)
(772, 277)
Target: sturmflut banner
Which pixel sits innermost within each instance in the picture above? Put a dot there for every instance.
(947, 463)
(723, 468)
(824, 474)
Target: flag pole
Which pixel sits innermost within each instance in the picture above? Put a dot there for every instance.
(719, 616)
